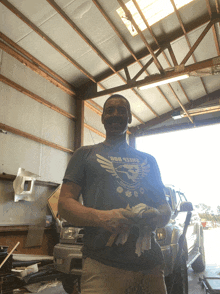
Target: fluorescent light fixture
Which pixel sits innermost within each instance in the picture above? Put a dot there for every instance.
(165, 81)
(153, 10)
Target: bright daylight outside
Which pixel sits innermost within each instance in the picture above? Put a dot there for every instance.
(190, 160)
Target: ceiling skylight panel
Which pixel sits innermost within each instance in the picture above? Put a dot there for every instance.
(153, 10)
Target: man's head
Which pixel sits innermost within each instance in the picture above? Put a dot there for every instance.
(116, 115)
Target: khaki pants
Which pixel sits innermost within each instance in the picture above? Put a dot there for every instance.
(98, 278)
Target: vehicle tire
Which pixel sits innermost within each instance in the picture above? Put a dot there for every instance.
(199, 264)
(177, 283)
(71, 284)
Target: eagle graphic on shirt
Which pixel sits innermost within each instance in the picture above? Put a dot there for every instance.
(128, 173)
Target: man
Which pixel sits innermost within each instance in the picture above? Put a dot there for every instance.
(114, 179)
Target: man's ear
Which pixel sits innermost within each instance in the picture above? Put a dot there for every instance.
(130, 118)
(102, 119)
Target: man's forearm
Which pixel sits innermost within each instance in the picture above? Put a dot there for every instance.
(77, 214)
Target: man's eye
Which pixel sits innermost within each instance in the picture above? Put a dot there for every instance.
(122, 110)
(109, 110)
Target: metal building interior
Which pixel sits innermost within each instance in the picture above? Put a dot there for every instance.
(61, 59)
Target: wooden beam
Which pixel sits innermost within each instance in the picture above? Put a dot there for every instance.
(144, 67)
(180, 103)
(132, 53)
(46, 38)
(94, 130)
(182, 126)
(34, 64)
(187, 39)
(88, 42)
(129, 16)
(213, 27)
(35, 68)
(128, 77)
(36, 97)
(170, 38)
(33, 138)
(156, 41)
(80, 33)
(79, 130)
(172, 55)
(152, 79)
(36, 61)
(200, 38)
(142, 130)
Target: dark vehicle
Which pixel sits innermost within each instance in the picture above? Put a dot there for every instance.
(68, 256)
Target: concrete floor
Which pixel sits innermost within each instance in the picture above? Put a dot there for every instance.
(212, 245)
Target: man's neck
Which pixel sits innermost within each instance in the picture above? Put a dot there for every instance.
(115, 140)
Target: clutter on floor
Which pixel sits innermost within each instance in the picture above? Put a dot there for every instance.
(26, 272)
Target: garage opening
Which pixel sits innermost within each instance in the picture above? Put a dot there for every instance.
(190, 161)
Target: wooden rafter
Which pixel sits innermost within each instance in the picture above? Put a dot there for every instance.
(80, 33)
(142, 130)
(35, 65)
(217, 6)
(129, 16)
(94, 48)
(144, 52)
(46, 38)
(129, 49)
(167, 75)
(198, 41)
(36, 61)
(172, 56)
(186, 37)
(213, 27)
(35, 68)
(164, 55)
(144, 67)
(182, 126)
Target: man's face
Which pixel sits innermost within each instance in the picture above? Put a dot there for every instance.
(116, 116)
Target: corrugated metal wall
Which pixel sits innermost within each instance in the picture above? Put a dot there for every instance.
(21, 112)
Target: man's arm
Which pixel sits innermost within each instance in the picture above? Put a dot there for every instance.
(161, 218)
(79, 215)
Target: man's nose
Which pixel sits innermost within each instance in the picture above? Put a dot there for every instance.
(116, 112)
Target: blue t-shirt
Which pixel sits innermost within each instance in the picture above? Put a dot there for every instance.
(112, 177)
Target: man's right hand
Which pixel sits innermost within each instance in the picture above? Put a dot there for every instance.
(114, 221)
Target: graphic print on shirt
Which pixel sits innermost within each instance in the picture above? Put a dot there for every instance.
(128, 173)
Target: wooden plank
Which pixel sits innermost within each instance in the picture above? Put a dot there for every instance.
(34, 67)
(38, 62)
(94, 130)
(180, 103)
(182, 126)
(46, 38)
(36, 97)
(151, 79)
(80, 33)
(79, 130)
(141, 130)
(128, 14)
(198, 41)
(33, 138)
